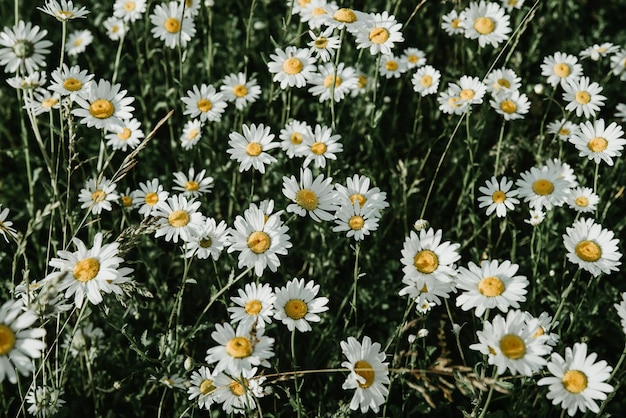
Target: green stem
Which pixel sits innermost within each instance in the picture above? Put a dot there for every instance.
(295, 376)
(564, 295)
(498, 148)
(489, 395)
(355, 276)
(118, 55)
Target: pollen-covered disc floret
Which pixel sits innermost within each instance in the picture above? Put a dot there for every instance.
(296, 304)
(592, 247)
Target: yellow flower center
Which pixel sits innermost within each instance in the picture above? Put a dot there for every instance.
(178, 219)
(296, 138)
(7, 339)
(540, 331)
(582, 97)
(129, 6)
(345, 15)
(581, 201)
(562, 69)
(362, 81)
(318, 11)
(356, 222)
(491, 286)
(467, 94)
(292, 66)
(66, 14)
(321, 42)
(391, 65)
(508, 106)
(204, 105)
(78, 42)
(296, 309)
(543, 187)
(253, 307)
(127, 201)
(413, 59)
(151, 198)
(456, 23)
(236, 388)
(498, 197)
(72, 84)
(503, 82)
(98, 196)
(101, 109)
(574, 381)
(86, 269)
(454, 102)
(259, 242)
(598, 144)
(205, 242)
(426, 80)
(513, 346)
(426, 261)
(364, 369)
(206, 386)
(588, 251)
(330, 79)
(238, 347)
(359, 198)
(253, 149)
(49, 103)
(192, 134)
(240, 90)
(379, 35)
(172, 25)
(124, 135)
(307, 199)
(484, 25)
(318, 148)
(564, 131)
(192, 186)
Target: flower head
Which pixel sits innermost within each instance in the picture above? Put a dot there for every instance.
(498, 196)
(592, 247)
(23, 47)
(250, 149)
(296, 304)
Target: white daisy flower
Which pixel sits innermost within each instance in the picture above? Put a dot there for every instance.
(192, 133)
(561, 67)
(357, 221)
(563, 128)
(129, 137)
(596, 51)
(22, 48)
(5, 226)
(63, 11)
(430, 293)
(392, 66)
(239, 349)
(241, 91)
(204, 102)
(19, 342)
(28, 82)
(413, 57)
(357, 189)
(369, 374)
(324, 45)
(542, 187)
(583, 97)
(426, 80)
(487, 22)
(170, 26)
(42, 101)
(149, 194)
(321, 146)
(115, 28)
(511, 105)
(292, 67)
(104, 106)
(546, 325)
(193, 184)
(536, 217)
(173, 381)
(498, 196)
(70, 81)
(621, 311)
(292, 137)
(345, 18)
(620, 111)
(209, 241)
(492, 285)
(379, 33)
(202, 389)
(255, 305)
(296, 304)
(592, 247)
(44, 401)
(618, 64)
(177, 217)
(192, 8)
(78, 41)
(577, 380)
(238, 394)
(598, 142)
(450, 102)
(566, 172)
(509, 5)
(258, 240)
(250, 149)
(451, 22)
(315, 13)
(313, 197)
(129, 10)
(89, 272)
(502, 80)
(582, 200)
(98, 195)
(511, 344)
(331, 82)
(472, 90)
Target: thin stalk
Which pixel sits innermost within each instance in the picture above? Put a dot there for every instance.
(118, 56)
(498, 148)
(295, 376)
(355, 276)
(489, 396)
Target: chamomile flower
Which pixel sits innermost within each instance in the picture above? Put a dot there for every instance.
(115, 28)
(315, 13)
(129, 10)
(577, 380)
(23, 48)
(193, 184)
(542, 187)
(292, 138)
(202, 388)
(487, 22)
(333, 82)
(192, 8)
(209, 241)
(70, 81)
(592, 247)
(204, 102)
(42, 101)
(450, 102)
(314, 197)
(502, 80)
(104, 106)
(148, 195)
(98, 195)
(322, 146)
(88, 273)
(250, 149)
(78, 41)
(243, 92)
(511, 105)
(369, 373)
(509, 5)
(582, 200)
(255, 305)
(430, 292)
(620, 111)
(536, 217)
(259, 241)
(413, 57)
(583, 97)
(621, 311)
(451, 22)
(356, 221)
(426, 80)
(357, 189)
(392, 66)
(296, 304)
(324, 45)
(599, 142)
(560, 67)
(596, 51)
(170, 26)
(292, 67)
(28, 82)
(177, 217)
(126, 199)
(618, 64)
(238, 393)
(498, 196)
(170, 381)
(563, 128)
(239, 349)
(379, 33)
(546, 325)
(490, 285)
(345, 18)
(5, 225)
(511, 344)
(63, 11)
(129, 137)
(44, 401)
(192, 133)
(471, 90)
(19, 341)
